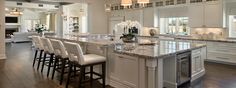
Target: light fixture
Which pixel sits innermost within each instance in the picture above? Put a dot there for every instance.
(6, 9)
(15, 11)
(126, 2)
(143, 2)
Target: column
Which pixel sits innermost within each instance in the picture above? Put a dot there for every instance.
(151, 72)
(2, 29)
(154, 73)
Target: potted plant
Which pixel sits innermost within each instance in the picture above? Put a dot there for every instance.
(40, 28)
(130, 30)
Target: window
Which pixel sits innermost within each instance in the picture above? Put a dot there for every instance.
(195, 1)
(158, 4)
(211, 0)
(170, 2)
(181, 1)
(174, 25)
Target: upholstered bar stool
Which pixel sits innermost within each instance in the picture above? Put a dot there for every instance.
(48, 50)
(61, 56)
(78, 59)
(38, 47)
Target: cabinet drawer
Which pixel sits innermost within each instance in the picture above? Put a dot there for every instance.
(196, 52)
(221, 57)
(221, 44)
(229, 50)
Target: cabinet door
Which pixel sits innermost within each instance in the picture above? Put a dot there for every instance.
(196, 15)
(124, 69)
(148, 17)
(213, 15)
(130, 71)
(134, 15)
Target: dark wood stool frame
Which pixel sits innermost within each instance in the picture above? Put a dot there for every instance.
(83, 73)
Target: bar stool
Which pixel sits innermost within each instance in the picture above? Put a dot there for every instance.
(61, 56)
(78, 59)
(48, 50)
(38, 47)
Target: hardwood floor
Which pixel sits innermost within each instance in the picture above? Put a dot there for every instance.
(17, 72)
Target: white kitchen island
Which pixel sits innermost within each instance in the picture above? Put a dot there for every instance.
(146, 64)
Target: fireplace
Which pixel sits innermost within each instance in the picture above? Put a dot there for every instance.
(10, 31)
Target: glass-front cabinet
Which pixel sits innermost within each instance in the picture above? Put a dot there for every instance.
(175, 26)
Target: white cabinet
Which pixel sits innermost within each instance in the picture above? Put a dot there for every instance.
(124, 71)
(213, 15)
(197, 62)
(148, 17)
(221, 52)
(134, 15)
(206, 14)
(196, 15)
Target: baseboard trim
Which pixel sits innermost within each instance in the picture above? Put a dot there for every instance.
(3, 56)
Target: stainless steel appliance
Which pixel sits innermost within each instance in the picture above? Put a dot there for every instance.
(183, 68)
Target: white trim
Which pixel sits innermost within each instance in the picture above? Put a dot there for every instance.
(3, 56)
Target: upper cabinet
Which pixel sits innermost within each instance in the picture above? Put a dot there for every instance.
(134, 15)
(213, 15)
(148, 17)
(206, 14)
(196, 15)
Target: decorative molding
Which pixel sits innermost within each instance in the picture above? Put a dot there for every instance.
(3, 56)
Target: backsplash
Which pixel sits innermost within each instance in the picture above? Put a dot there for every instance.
(208, 33)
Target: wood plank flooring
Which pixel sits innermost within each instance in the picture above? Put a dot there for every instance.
(17, 72)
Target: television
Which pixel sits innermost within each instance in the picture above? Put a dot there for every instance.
(11, 19)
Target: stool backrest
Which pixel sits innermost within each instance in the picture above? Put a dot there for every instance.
(59, 48)
(75, 52)
(38, 42)
(47, 45)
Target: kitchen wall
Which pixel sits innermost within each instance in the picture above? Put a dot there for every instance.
(2, 29)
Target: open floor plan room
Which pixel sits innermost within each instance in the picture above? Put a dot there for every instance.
(117, 43)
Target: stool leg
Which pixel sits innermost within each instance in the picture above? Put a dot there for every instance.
(103, 75)
(50, 63)
(62, 70)
(40, 57)
(69, 74)
(35, 57)
(44, 58)
(54, 67)
(91, 76)
(81, 75)
(74, 70)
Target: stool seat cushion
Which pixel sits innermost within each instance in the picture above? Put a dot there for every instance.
(92, 59)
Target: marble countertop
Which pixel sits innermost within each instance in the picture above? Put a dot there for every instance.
(146, 48)
(97, 41)
(226, 40)
(210, 40)
(156, 49)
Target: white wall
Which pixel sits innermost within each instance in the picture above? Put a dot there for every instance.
(2, 29)
(28, 15)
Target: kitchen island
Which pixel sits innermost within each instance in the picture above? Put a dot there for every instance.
(147, 63)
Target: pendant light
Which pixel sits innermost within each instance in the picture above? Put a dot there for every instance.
(143, 1)
(126, 2)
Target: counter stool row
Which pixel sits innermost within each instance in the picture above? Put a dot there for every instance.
(67, 55)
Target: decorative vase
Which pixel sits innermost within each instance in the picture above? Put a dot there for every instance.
(129, 39)
(152, 32)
